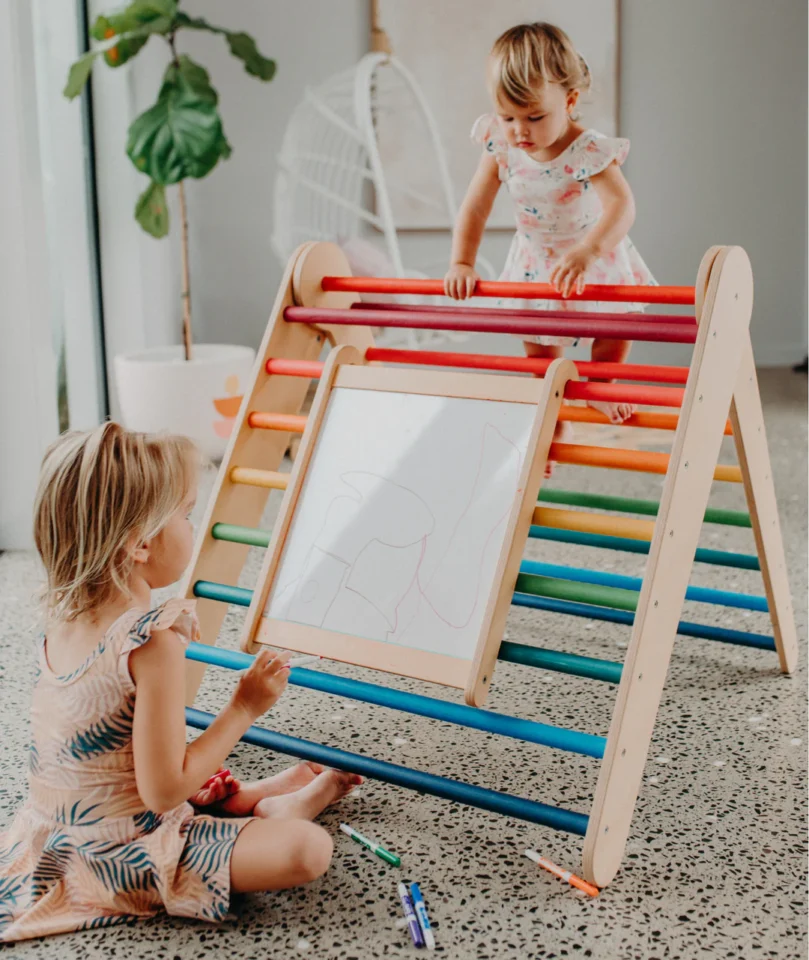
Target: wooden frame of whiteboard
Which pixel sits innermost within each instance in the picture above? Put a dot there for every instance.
(473, 675)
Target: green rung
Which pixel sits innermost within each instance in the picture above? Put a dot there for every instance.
(649, 508)
(237, 534)
(614, 597)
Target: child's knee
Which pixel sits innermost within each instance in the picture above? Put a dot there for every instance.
(314, 852)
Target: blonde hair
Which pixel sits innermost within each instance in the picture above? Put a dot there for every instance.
(530, 55)
(98, 491)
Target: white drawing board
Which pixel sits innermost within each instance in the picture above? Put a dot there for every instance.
(399, 524)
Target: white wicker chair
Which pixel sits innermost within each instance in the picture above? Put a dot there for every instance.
(331, 183)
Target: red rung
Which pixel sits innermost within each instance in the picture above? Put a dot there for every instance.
(534, 365)
(463, 311)
(294, 368)
(473, 322)
(523, 291)
(624, 393)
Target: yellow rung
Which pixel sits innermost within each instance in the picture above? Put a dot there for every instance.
(613, 526)
(259, 478)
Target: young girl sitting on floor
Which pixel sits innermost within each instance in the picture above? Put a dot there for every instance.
(573, 206)
(107, 833)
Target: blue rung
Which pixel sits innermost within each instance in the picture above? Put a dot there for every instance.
(727, 598)
(701, 630)
(455, 790)
(458, 713)
(744, 561)
(223, 592)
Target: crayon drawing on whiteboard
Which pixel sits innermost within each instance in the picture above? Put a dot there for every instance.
(401, 518)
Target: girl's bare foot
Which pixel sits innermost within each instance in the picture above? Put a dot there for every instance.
(562, 434)
(242, 803)
(307, 802)
(217, 789)
(615, 412)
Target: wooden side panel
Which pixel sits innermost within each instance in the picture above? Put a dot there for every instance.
(754, 458)
(219, 560)
(724, 320)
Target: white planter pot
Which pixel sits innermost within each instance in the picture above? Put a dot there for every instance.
(159, 391)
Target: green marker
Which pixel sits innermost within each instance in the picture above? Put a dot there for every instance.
(381, 852)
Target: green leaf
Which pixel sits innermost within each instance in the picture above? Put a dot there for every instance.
(243, 46)
(79, 74)
(151, 210)
(197, 23)
(158, 14)
(196, 76)
(124, 50)
(181, 135)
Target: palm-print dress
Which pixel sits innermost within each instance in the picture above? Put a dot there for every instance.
(84, 852)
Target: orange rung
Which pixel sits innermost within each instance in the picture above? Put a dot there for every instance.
(289, 422)
(645, 461)
(650, 420)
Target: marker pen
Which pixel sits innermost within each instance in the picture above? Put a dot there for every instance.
(380, 851)
(421, 912)
(302, 661)
(571, 878)
(410, 916)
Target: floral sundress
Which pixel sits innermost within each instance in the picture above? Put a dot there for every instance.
(555, 205)
(84, 852)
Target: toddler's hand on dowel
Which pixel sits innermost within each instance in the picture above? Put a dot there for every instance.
(568, 275)
(459, 283)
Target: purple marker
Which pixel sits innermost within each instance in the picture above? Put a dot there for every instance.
(410, 916)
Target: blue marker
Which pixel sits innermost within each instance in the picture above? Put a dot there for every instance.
(410, 916)
(421, 912)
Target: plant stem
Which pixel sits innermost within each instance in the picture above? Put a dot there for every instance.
(186, 293)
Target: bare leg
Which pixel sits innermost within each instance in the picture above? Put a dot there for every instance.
(551, 351)
(611, 351)
(278, 854)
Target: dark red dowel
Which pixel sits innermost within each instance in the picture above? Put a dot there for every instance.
(468, 322)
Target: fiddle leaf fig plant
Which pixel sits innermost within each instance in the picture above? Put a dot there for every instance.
(181, 135)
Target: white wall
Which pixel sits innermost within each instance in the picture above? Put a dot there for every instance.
(713, 97)
(234, 271)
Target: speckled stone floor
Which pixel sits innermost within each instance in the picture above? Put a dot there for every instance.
(716, 860)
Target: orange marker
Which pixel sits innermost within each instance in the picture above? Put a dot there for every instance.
(571, 878)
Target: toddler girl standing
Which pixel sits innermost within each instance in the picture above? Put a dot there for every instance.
(573, 206)
(106, 834)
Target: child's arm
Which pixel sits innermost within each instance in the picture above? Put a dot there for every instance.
(167, 769)
(613, 225)
(477, 205)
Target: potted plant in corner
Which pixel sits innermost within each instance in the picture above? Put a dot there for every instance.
(193, 389)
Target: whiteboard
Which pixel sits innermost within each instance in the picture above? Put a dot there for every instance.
(401, 519)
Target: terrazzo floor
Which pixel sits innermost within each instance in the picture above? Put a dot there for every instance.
(716, 860)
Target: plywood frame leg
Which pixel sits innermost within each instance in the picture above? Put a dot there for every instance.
(724, 319)
(747, 418)
(220, 560)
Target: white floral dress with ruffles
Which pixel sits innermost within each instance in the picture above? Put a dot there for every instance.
(555, 205)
